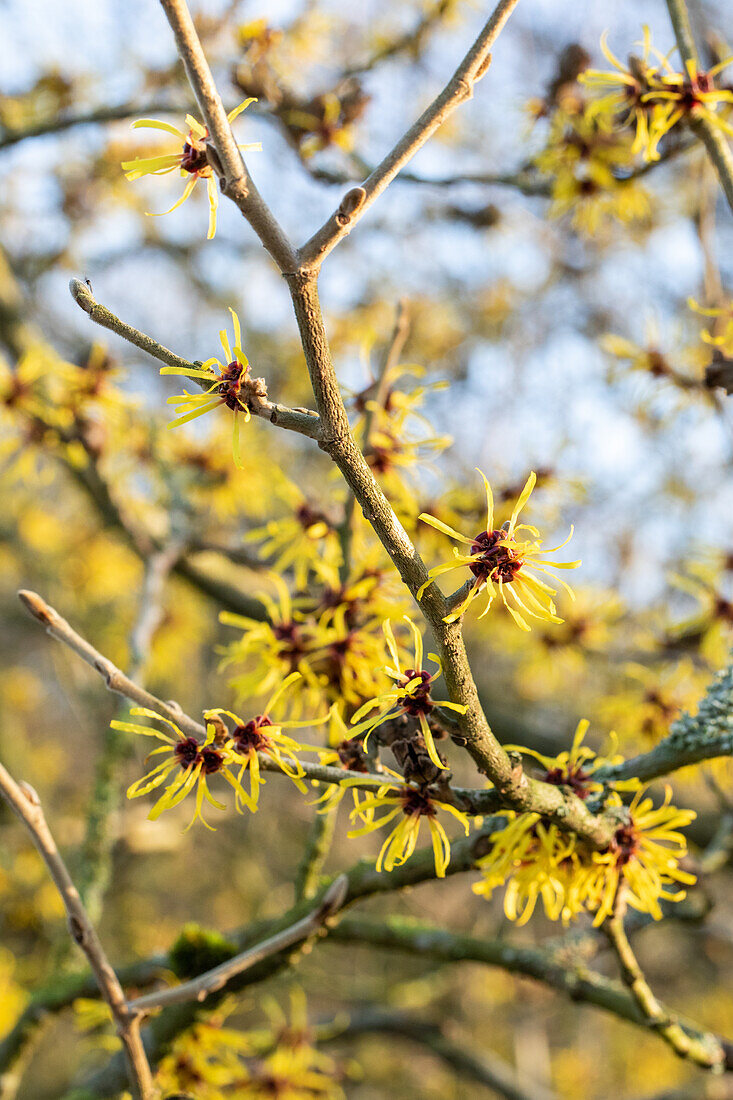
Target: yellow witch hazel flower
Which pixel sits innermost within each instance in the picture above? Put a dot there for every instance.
(505, 563)
(263, 734)
(348, 753)
(195, 761)
(645, 853)
(410, 694)
(722, 334)
(537, 862)
(652, 96)
(574, 768)
(230, 386)
(193, 159)
(590, 169)
(305, 539)
(272, 648)
(413, 804)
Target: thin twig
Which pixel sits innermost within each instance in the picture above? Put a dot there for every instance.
(60, 123)
(460, 88)
(236, 181)
(95, 857)
(577, 982)
(363, 881)
(486, 1069)
(707, 1050)
(26, 804)
(297, 420)
(477, 802)
(410, 41)
(115, 679)
(198, 989)
(317, 846)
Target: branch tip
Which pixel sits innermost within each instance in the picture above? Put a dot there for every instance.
(38, 608)
(82, 295)
(334, 898)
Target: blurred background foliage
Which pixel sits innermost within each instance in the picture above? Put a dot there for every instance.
(548, 289)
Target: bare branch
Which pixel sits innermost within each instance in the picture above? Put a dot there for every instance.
(237, 183)
(706, 1050)
(692, 738)
(487, 1069)
(297, 420)
(95, 868)
(317, 846)
(198, 989)
(516, 788)
(363, 881)
(580, 984)
(26, 804)
(150, 609)
(460, 88)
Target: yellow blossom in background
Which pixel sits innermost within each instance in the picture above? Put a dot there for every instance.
(590, 169)
(348, 662)
(505, 564)
(555, 660)
(12, 995)
(218, 1061)
(650, 95)
(305, 540)
(271, 648)
(643, 708)
(682, 367)
(397, 438)
(710, 627)
(192, 159)
(413, 805)
(721, 333)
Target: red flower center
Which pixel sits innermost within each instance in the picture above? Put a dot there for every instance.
(418, 701)
(231, 384)
(625, 844)
(497, 562)
(194, 158)
(415, 802)
(187, 752)
(248, 736)
(190, 754)
(573, 777)
(211, 760)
